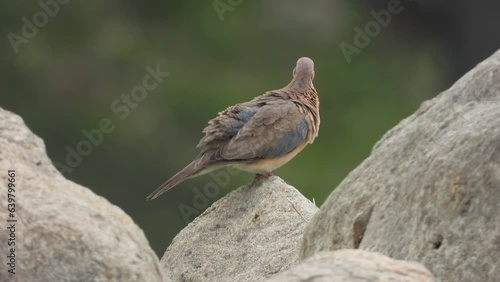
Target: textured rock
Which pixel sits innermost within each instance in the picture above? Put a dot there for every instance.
(430, 190)
(354, 265)
(249, 235)
(64, 232)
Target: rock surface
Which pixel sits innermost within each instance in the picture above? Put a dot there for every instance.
(430, 190)
(354, 265)
(251, 234)
(64, 232)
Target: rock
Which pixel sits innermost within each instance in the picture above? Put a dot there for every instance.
(250, 234)
(64, 232)
(354, 265)
(430, 190)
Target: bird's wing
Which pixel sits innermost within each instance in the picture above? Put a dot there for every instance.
(275, 129)
(226, 125)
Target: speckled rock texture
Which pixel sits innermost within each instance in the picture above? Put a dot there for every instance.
(430, 190)
(64, 232)
(354, 266)
(251, 234)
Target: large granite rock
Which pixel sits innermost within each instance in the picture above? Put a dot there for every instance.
(251, 234)
(430, 190)
(354, 266)
(64, 232)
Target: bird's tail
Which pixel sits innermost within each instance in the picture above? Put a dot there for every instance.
(194, 168)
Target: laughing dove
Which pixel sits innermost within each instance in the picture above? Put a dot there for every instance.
(261, 135)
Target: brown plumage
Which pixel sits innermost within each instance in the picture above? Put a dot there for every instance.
(260, 135)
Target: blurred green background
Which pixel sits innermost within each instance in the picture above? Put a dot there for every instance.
(64, 79)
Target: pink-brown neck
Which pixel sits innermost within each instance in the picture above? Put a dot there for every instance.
(302, 82)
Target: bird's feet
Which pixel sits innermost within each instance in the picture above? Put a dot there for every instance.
(262, 176)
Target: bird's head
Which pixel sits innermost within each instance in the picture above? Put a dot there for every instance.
(304, 69)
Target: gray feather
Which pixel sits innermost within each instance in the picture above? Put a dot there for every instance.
(288, 142)
(240, 119)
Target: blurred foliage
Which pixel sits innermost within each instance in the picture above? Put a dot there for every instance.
(64, 80)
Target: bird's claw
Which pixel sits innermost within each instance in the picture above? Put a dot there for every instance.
(262, 176)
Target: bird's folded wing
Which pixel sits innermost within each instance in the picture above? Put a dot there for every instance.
(274, 130)
(226, 125)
